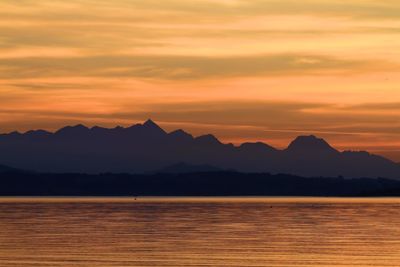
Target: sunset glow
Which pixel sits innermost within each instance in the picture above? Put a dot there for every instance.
(260, 70)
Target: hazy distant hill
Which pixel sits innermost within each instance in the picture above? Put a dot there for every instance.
(148, 148)
(8, 169)
(188, 168)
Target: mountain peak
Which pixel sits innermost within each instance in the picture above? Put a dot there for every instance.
(207, 139)
(258, 146)
(180, 134)
(77, 129)
(149, 124)
(80, 126)
(37, 133)
(14, 133)
(310, 143)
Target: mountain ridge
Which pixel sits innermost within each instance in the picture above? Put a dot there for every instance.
(147, 147)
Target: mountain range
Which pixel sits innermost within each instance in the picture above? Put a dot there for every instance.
(146, 147)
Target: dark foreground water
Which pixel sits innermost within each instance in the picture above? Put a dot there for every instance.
(199, 232)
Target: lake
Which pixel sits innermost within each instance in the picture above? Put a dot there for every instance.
(105, 232)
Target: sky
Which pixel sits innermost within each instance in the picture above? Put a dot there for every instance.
(260, 70)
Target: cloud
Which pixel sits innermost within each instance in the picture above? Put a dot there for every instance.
(262, 115)
(181, 67)
(222, 9)
(373, 107)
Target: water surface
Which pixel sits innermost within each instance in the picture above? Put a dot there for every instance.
(107, 232)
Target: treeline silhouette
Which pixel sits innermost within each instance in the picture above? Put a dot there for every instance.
(190, 184)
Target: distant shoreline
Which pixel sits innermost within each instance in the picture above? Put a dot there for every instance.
(196, 199)
(201, 184)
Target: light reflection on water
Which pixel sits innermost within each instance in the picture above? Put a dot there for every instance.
(199, 232)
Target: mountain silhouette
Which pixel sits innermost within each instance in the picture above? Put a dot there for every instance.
(146, 147)
(306, 144)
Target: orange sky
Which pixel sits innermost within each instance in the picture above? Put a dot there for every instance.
(244, 70)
